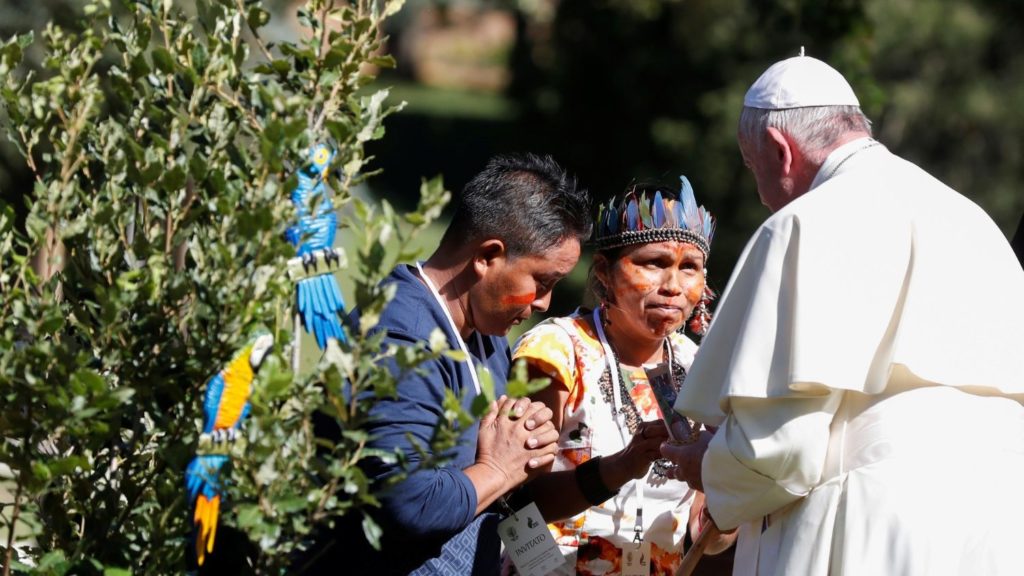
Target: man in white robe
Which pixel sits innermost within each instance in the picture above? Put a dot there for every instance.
(865, 367)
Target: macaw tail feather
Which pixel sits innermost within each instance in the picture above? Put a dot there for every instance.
(320, 302)
(205, 520)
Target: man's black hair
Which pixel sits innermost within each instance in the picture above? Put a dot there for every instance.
(527, 201)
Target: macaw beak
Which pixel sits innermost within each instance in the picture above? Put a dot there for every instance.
(260, 347)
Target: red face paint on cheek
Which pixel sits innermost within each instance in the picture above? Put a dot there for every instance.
(694, 293)
(519, 299)
(636, 281)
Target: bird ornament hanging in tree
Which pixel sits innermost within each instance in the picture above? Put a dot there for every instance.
(225, 407)
(318, 298)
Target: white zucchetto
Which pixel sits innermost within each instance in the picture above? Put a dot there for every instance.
(800, 82)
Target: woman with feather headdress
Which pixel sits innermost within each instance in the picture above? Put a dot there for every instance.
(613, 505)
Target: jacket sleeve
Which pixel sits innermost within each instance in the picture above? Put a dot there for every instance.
(431, 502)
(768, 453)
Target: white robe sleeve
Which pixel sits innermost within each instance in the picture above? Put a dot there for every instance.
(767, 454)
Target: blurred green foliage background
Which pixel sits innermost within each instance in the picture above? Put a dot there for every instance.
(625, 90)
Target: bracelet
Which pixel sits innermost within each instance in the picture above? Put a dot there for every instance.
(519, 498)
(588, 478)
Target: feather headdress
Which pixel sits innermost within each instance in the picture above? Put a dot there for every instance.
(641, 218)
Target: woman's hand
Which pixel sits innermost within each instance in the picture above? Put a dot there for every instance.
(635, 459)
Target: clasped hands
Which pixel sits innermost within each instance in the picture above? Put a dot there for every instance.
(517, 439)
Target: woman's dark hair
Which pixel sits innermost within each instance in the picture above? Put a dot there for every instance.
(527, 201)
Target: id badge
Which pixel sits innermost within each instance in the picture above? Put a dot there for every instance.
(529, 543)
(636, 559)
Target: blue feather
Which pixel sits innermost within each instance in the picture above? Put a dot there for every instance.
(632, 215)
(692, 217)
(331, 284)
(211, 404)
(203, 475)
(320, 301)
(659, 210)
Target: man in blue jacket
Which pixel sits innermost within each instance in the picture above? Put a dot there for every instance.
(516, 231)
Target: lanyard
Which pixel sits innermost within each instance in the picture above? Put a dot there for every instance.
(617, 390)
(455, 330)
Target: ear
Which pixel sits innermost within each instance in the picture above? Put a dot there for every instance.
(783, 150)
(488, 253)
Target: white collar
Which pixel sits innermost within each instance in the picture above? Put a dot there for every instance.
(839, 156)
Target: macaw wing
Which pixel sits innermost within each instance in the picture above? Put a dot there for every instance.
(211, 405)
(316, 233)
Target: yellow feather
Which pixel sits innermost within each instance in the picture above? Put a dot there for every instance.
(213, 524)
(205, 516)
(198, 518)
(238, 378)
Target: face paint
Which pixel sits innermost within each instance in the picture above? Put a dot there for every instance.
(519, 300)
(654, 288)
(695, 293)
(513, 289)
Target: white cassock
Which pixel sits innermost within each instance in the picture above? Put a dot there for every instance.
(866, 365)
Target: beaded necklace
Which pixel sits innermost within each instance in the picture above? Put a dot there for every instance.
(627, 408)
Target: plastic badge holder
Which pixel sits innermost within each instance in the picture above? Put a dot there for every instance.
(679, 428)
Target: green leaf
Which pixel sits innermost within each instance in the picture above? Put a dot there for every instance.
(282, 67)
(291, 505)
(54, 561)
(486, 384)
(372, 532)
(336, 55)
(480, 406)
(163, 60)
(174, 179)
(25, 40)
(517, 389)
(392, 8)
(257, 17)
(248, 515)
(385, 61)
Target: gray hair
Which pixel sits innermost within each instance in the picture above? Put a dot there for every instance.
(814, 128)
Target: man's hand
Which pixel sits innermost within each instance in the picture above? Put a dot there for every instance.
(687, 458)
(516, 440)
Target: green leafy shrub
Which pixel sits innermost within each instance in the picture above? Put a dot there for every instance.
(163, 145)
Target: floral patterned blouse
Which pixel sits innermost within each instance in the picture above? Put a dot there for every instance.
(570, 352)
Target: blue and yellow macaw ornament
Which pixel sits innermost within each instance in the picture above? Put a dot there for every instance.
(318, 298)
(225, 407)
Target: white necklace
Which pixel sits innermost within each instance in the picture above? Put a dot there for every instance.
(455, 330)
